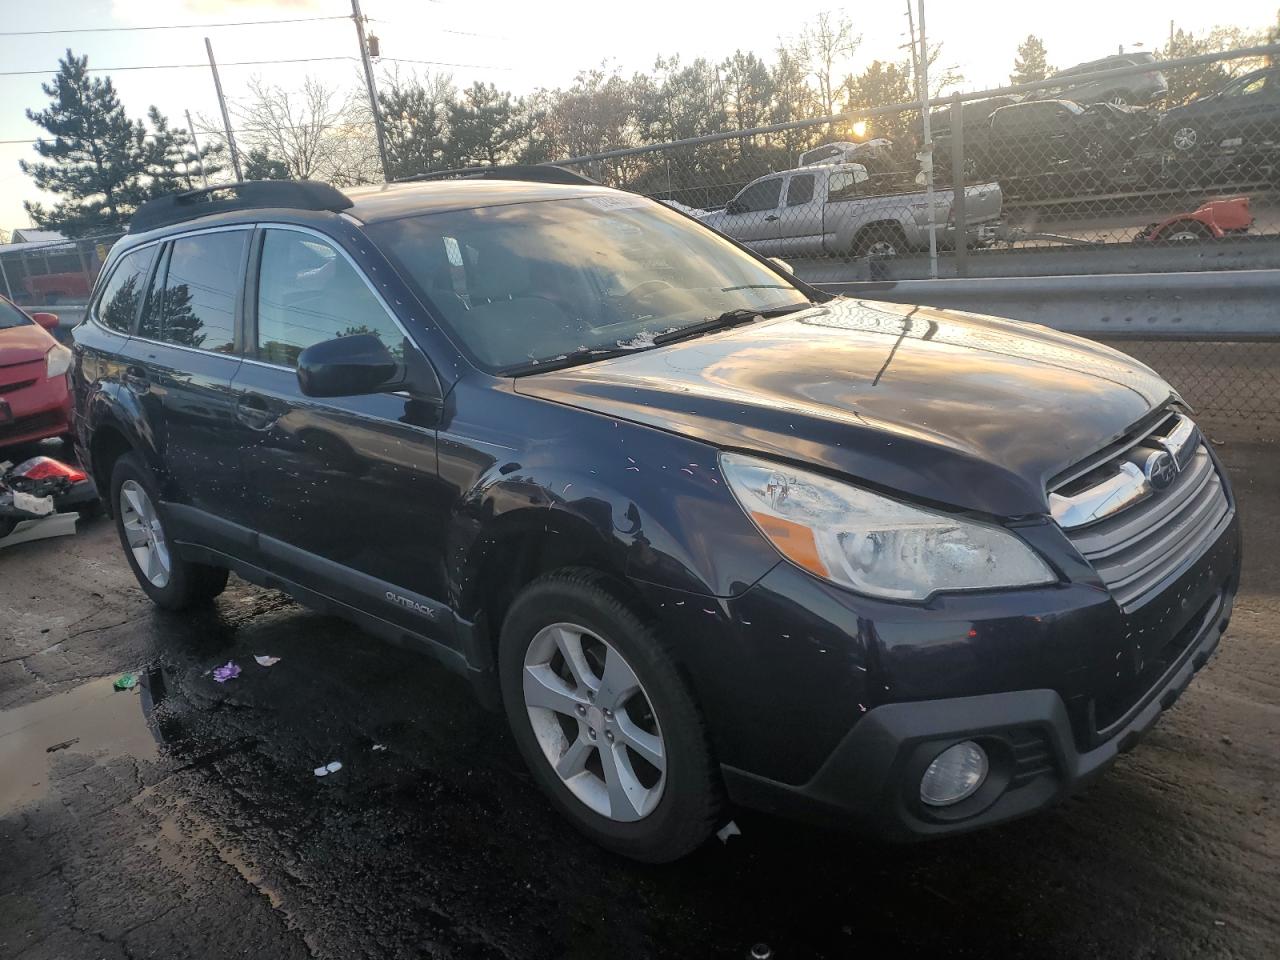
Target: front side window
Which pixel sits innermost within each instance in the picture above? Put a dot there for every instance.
(537, 281)
(201, 285)
(760, 196)
(309, 293)
(118, 304)
(1248, 88)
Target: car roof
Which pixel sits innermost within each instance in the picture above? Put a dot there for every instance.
(391, 201)
(382, 202)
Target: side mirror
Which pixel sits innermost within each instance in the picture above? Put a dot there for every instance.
(734, 206)
(347, 367)
(47, 320)
(781, 264)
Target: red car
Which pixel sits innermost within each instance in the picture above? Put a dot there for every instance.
(1212, 220)
(35, 394)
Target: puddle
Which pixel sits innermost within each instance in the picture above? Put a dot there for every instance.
(103, 719)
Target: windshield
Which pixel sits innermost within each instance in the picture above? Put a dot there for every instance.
(11, 316)
(539, 281)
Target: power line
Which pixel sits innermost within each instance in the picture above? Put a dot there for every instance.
(167, 26)
(247, 63)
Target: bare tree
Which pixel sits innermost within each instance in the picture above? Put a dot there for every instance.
(824, 47)
(317, 132)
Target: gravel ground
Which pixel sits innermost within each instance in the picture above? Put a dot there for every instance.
(186, 820)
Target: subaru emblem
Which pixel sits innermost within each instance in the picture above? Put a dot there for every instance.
(1160, 469)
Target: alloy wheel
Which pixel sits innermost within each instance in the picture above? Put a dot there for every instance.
(594, 722)
(144, 534)
(1185, 138)
(883, 249)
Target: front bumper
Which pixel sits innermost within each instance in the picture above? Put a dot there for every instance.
(36, 411)
(873, 775)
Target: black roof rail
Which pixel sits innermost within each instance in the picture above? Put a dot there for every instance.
(535, 173)
(244, 195)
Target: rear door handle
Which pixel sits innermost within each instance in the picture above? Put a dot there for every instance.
(135, 377)
(255, 411)
(772, 216)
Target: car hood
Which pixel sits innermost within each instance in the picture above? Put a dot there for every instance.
(23, 344)
(975, 412)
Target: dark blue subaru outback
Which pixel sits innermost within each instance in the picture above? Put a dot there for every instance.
(706, 533)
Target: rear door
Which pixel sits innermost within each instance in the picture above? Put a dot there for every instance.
(800, 217)
(344, 490)
(179, 367)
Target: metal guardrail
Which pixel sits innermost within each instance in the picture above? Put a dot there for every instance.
(1204, 306)
(1244, 253)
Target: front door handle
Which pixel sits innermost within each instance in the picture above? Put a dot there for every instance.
(255, 412)
(772, 216)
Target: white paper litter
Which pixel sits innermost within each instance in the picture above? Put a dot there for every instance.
(328, 768)
(730, 829)
(263, 661)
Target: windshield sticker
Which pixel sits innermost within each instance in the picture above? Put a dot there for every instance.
(452, 251)
(617, 201)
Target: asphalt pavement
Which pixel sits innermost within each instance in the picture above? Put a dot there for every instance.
(183, 818)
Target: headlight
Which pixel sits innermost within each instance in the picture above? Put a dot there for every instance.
(57, 361)
(872, 544)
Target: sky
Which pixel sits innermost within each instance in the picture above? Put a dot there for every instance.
(521, 46)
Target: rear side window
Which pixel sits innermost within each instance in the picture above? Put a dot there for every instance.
(201, 285)
(118, 304)
(309, 293)
(800, 190)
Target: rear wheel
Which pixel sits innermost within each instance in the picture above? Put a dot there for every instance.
(171, 582)
(604, 720)
(882, 241)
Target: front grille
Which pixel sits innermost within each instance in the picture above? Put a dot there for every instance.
(1138, 548)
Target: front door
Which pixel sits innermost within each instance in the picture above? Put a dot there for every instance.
(755, 215)
(344, 489)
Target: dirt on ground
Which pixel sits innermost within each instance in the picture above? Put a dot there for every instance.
(183, 818)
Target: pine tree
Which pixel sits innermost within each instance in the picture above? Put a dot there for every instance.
(484, 126)
(260, 165)
(172, 160)
(97, 157)
(1031, 63)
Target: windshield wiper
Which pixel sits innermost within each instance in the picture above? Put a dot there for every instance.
(730, 318)
(571, 359)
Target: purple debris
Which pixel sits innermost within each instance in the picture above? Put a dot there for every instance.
(228, 672)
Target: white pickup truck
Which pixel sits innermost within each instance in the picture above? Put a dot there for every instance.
(839, 210)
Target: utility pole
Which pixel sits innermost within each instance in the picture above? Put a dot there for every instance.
(195, 145)
(226, 118)
(358, 17)
(915, 62)
(927, 156)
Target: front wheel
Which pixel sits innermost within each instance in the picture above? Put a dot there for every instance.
(171, 582)
(604, 720)
(1186, 138)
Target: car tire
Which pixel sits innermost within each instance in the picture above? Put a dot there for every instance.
(171, 582)
(882, 241)
(566, 746)
(1189, 231)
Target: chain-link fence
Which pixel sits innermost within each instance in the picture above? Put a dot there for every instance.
(1177, 162)
(52, 273)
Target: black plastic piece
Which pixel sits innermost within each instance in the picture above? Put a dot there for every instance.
(245, 195)
(533, 173)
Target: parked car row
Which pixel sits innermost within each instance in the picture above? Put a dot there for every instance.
(1031, 144)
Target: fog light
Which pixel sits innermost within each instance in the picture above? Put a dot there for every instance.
(955, 774)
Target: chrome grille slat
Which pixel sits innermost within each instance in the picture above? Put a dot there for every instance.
(1135, 550)
(1135, 524)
